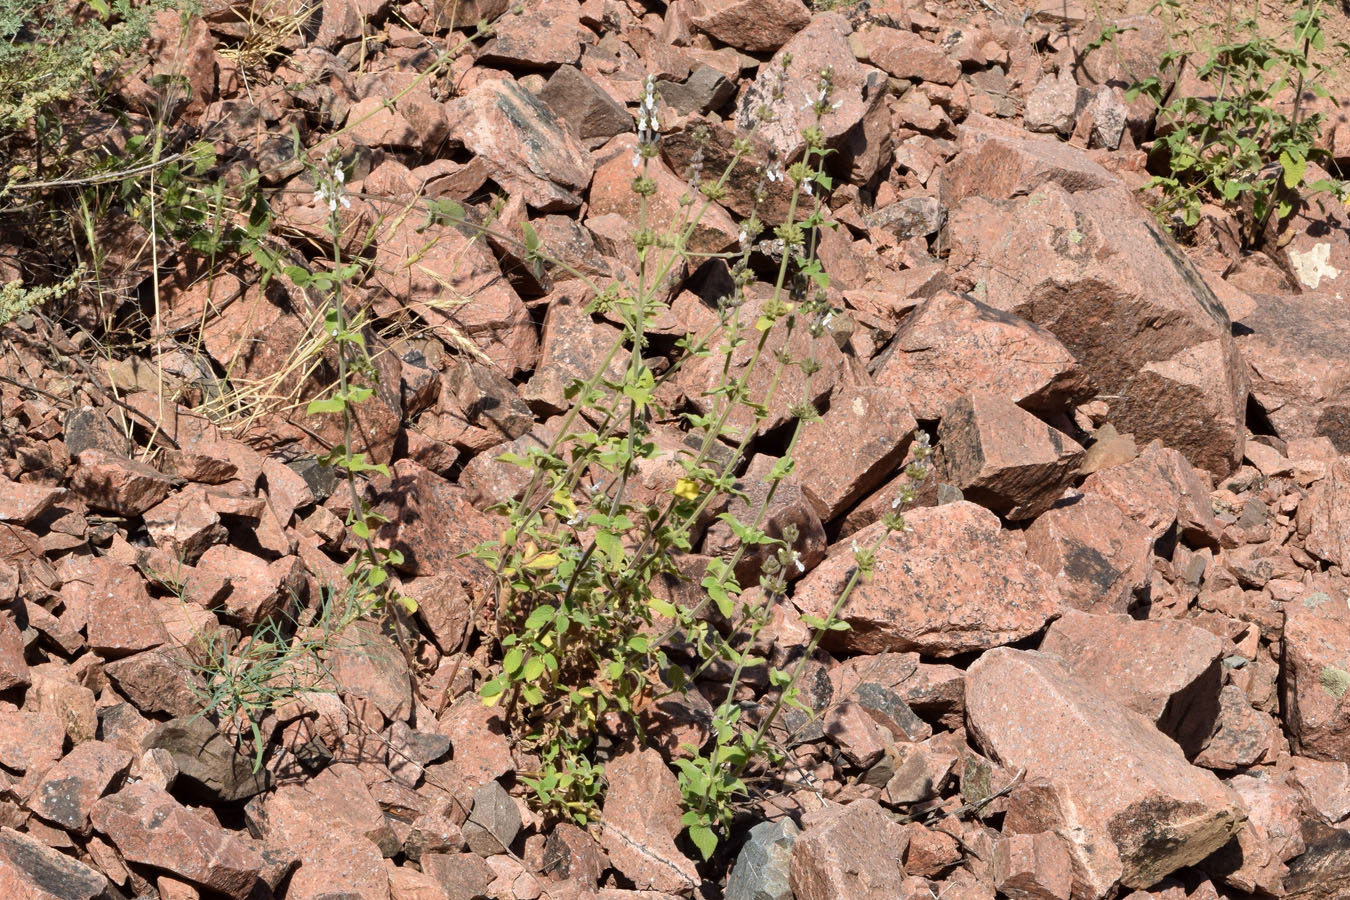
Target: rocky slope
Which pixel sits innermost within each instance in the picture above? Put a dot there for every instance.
(1111, 657)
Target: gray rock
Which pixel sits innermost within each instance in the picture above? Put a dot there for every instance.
(761, 870)
(208, 763)
(704, 90)
(32, 869)
(913, 217)
(591, 113)
(494, 822)
(87, 428)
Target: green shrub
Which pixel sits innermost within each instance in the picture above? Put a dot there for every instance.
(1247, 147)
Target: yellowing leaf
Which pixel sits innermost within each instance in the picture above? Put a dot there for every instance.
(686, 489)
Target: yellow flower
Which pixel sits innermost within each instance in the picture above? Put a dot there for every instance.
(686, 489)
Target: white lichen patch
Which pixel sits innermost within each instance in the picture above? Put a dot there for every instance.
(1311, 267)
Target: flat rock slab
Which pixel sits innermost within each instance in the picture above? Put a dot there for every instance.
(848, 853)
(1100, 558)
(1124, 796)
(953, 583)
(30, 870)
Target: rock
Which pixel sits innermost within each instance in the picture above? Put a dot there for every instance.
(1054, 104)
(366, 663)
(952, 344)
(1167, 670)
(30, 870)
(1243, 737)
(409, 884)
(853, 447)
(641, 821)
(761, 868)
(1319, 873)
(573, 855)
(703, 375)
(1325, 785)
(551, 35)
(151, 828)
(1317, 676)
(431, 522)
(185, 525)
(1044, 258)
(1033, 866)
(493, 822)
(121, 619)
(420, 266)
(574, 346)
(1100, 559)
(591, 113)
(1157, 489)
(118, 485)
(157, 681)
(1254, 861)
(22, 502)
(1027, 712)
(1001, 166)
(526, 150)
(953, 583)
(858, 89)
(612, 194)
(333, 860)
(87, 428)
(70, 788)
(848, 853)
(258, 589)
(755, 26)
(463, 876)
(903, 54)
(208, 763)
(13, 666)
(905, 219)
(1004, 458)
(1325, 517)
(705, 90)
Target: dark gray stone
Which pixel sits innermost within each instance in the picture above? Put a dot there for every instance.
(34, 869)
(209, 765)
(705, 90)
(761, 870)
(891, 711)
(911, 217)
(591, 113)
(494, 822)
(87, 428)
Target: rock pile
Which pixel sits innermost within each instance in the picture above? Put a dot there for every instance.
(1111, 659)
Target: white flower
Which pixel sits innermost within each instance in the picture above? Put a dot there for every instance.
(806, 188)
(576, 519)
(637, 159)
(854, 546)
(740, 238)
(797, 561)
(774, 173)
(829, 317)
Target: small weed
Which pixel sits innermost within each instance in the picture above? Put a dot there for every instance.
(1247, 147)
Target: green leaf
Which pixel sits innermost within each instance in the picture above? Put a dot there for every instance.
(541, 616)
(327, 405)
(1294, 168)
(512, 661)
(533, 668)
(704, 839)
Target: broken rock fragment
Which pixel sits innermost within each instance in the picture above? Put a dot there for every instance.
(1108, 770)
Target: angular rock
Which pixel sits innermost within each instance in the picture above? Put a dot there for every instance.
(858, 89)
(526, 150)
(30, 870)
(493, 822)
(1108, 769)
(185, 525)
(258, 589)
(705, 89)
(1003, 457)
(22, 502)
(1294, 346)
(551, 35)
(903, 54)
(1099, 274)
(574, 346)
(30, 740)
(1243, 737)
(848, 853)
(1033, 866)
(1100, 559)
(1159, 488)
(641, 822)
(951, 584)
(121, 619)
(909, 218)
(1325, 786)
(151, 828)
(1003, 167)
(952, 344)
(1317, 676)
(156, 681)
(366, 663)
(1054, 104)
(1325, 516)
(755, 26)
(853, 447)
(13, 666)
(1254, 861)
(70, 788)
(761, 871)
(431, 522)
(1167, 670)
(209, 764)
(612, 193)
(589, 111)
(118, 485)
